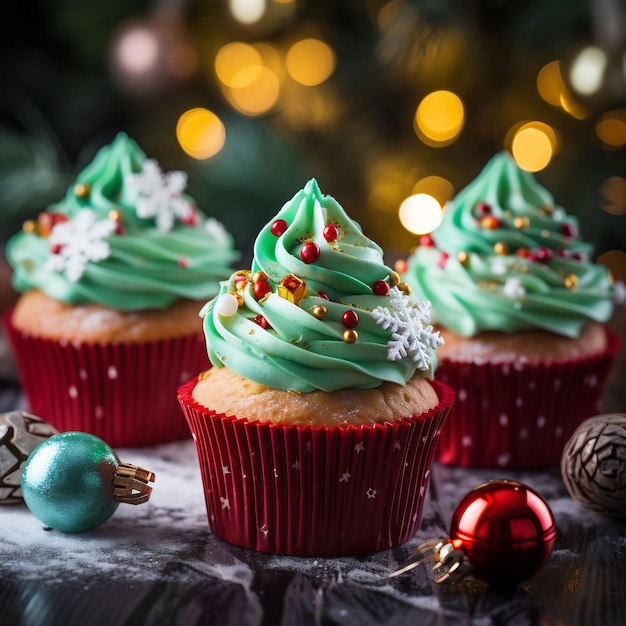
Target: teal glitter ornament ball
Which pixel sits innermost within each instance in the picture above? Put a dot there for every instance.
(74, 482)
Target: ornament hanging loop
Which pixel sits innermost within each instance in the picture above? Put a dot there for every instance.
(130, 484)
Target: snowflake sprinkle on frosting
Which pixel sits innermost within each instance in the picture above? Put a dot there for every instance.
(412, 335)
(161, 195)
(513, 289)
(77, 242)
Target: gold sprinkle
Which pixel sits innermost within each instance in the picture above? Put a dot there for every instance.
(501, 248)
(115, 215)
(571, 281)
(82, 190)
(394, 279)
(463, 258)
(522, 222)
(350, 335)
(506, 213)
(203, 375)
(405, 288)
(257, 276)
(239, 298)
(292, 288)
(29, 226)
(547, 209)
(319, 311)
(545, 233)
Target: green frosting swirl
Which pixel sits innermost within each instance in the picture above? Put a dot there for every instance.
(288, 347)
(147, 267)
(525, 269)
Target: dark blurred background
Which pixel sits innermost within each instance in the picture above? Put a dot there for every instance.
(379, 100)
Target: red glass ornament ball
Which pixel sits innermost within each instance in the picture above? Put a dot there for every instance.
(278, 227)
(330, 233)
(569, 230)
(506, 530)
(310, 252)
(482, 209)
(381, 288)
(350, 319)
(543, 255)
(261, 289)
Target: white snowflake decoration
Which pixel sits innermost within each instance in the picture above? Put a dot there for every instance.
(411, 332)
(161, 195)
(619, 293)
(77, 242)
(513, 289)
(216, 229)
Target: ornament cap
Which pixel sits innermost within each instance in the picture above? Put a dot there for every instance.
(130, 484)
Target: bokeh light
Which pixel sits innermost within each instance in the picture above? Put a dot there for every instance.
(611, 128)
(533, 145)
(587, 70)
(420, 214)
(247, 11)
(257, 96)
(615, 260)
(613, 195)
(437, 187)
(439, 118)
(237, 64)
(200, 133)
(550, 83)
(310, 62)
(137, 50)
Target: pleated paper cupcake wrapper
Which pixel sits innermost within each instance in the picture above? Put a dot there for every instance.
(123, 393)
(519, 416)
(320, 491)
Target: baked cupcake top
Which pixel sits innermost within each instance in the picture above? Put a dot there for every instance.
(319, 309)
(125, 236)
(506, 258)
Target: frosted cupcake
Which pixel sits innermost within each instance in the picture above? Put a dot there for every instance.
(315, 428)
(521, 308)
(112, 279)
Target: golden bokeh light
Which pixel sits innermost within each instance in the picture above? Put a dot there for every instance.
(611, 128)
(439, 118)
(615, 260)
(550, 83)
(420, 214)
(258, 96)
(238, 64)
(613, 195)
(437, 187)
(200, 133)
(533, 146)
(310, 62)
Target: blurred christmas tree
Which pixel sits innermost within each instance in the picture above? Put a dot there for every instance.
(378, 99)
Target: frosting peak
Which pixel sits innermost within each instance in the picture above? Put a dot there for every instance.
(506, 257)
(125, 236)
(318, 309)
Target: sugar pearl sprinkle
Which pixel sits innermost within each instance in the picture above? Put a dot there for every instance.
(227, 305)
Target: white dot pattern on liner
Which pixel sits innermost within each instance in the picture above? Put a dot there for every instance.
(184, 377)
(72, 391)
(466, 441)
(541, 421)
(82, 374)
(557, 384)
(99, 412)
(531, 385)
(112, 372)
(558, 431)
(505, 369)
(519, 402)
(592, 381)
(396, 446)
(523, 433)
(503, 419)
(461, 395)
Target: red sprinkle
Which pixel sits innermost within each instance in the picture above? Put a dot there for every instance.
(350, 319)
(569, 230)
(443, 259)
(482, 209)
(310, 252)
(58, 218)
(192, 220)
(261, 289)
(119, 229)
(381, 288)
(543, 255)
(323, 294)
(330, 233)
(278, 227)
(56, 248)
(523, 253)
(578, 256)
(426, 241)
(183, 261)
(564, 253)
(261, 321)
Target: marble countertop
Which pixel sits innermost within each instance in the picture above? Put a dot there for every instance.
(158, 564)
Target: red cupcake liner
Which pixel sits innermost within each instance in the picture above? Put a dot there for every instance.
(320, 491)
(519, 416)
(123, 393)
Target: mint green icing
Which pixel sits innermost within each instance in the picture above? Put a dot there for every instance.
(298, 351)
(146, 268)
(509, 292)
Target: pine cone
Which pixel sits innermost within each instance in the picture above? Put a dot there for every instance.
(593, 464)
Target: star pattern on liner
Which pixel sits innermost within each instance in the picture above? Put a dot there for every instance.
(225, 503)
(161, 195)
(78, 241)
(371, 493)
(296, 465)
(360, 447)
(411, 332)
(345, 477)
(226, 469)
